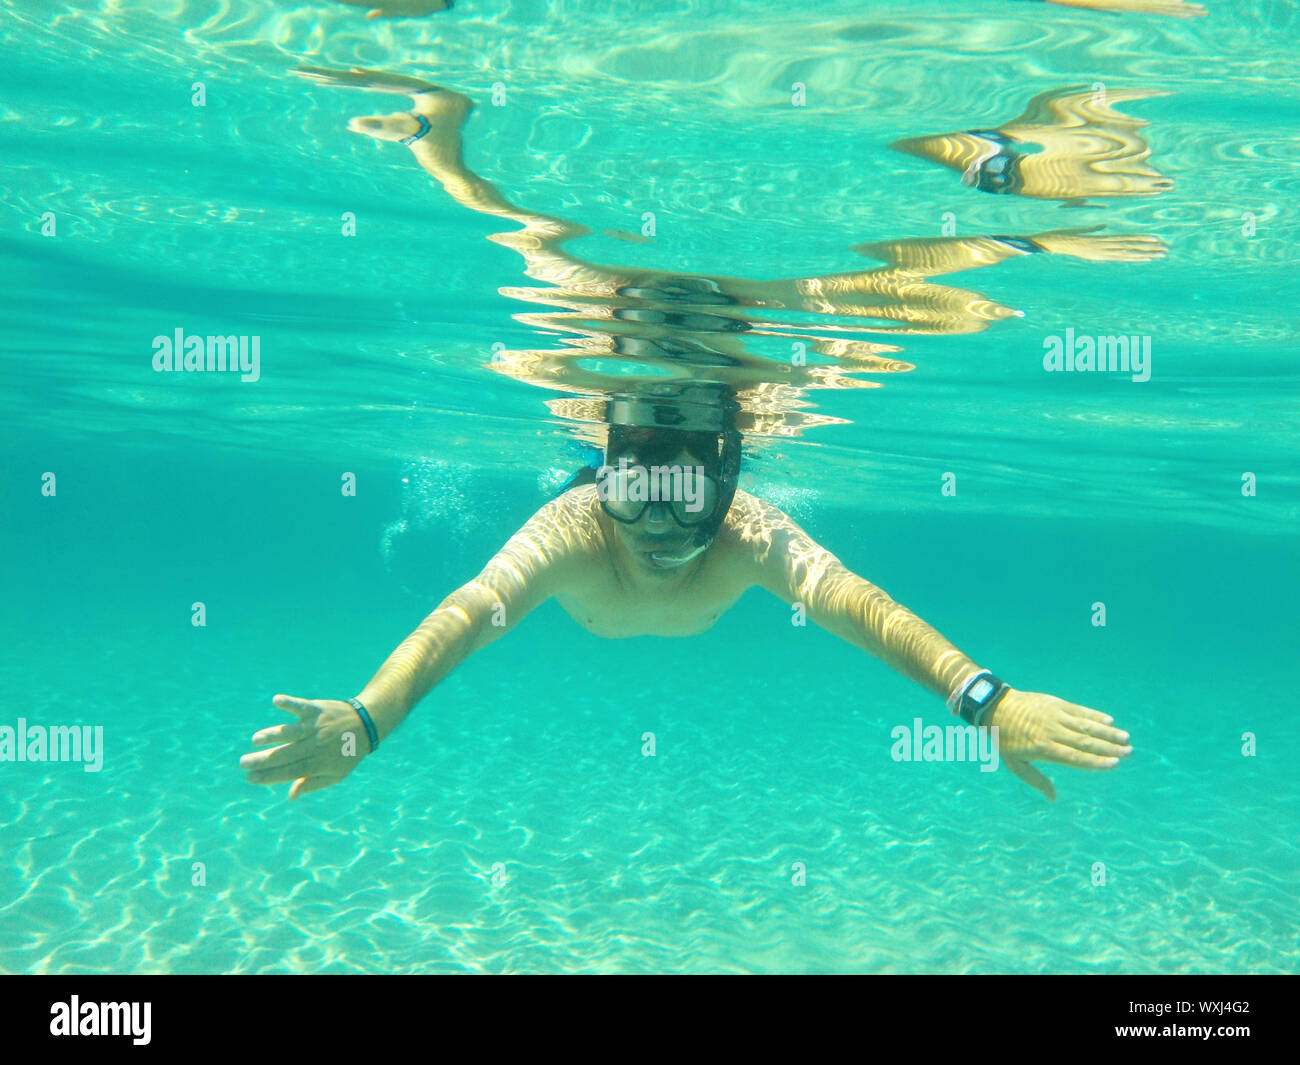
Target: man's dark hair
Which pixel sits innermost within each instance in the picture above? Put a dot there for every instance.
(657, 447)
(654, 447)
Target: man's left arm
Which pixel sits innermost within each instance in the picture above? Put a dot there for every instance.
(1032, 726)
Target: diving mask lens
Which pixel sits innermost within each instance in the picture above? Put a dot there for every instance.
(617, 495)
(691, 494)
(703, 492)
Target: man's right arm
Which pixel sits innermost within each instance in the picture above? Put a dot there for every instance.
(319, 748)
(534, 564)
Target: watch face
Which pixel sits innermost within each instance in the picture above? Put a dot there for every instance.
(981, 690)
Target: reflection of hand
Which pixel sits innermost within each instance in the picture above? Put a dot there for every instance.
(399, 126)
(1173, 8)
(1033, 727)
(359, 78)
(400, 8)
(310, 751)
(1081, 244)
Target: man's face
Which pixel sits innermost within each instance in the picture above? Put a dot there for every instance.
(655, 532)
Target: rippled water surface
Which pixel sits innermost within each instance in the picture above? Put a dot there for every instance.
(869, 219)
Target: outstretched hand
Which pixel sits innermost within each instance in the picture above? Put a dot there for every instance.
(1034, 727)
(317, 750)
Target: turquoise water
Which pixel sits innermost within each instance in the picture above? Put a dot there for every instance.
(512, 823)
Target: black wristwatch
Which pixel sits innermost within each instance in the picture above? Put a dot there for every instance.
(975, 700)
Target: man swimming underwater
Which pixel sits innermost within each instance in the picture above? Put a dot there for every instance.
(623, 559)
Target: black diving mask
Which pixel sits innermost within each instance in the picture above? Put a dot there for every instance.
(690, 493)
(698, 496)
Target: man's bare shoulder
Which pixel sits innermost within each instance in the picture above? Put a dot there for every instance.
(552, 547)
(771, 544)
(569, 523)
(757, 524)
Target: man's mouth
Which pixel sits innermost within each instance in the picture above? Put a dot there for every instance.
(671, 559)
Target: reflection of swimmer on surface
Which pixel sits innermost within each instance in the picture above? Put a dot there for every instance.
(1173, 8)
(713, 311)
(1068, 145)
(708, 327)
(663, 544)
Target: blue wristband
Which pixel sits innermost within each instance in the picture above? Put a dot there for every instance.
(424, 128)
(364, 714)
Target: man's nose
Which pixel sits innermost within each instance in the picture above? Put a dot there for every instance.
(657, 518)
